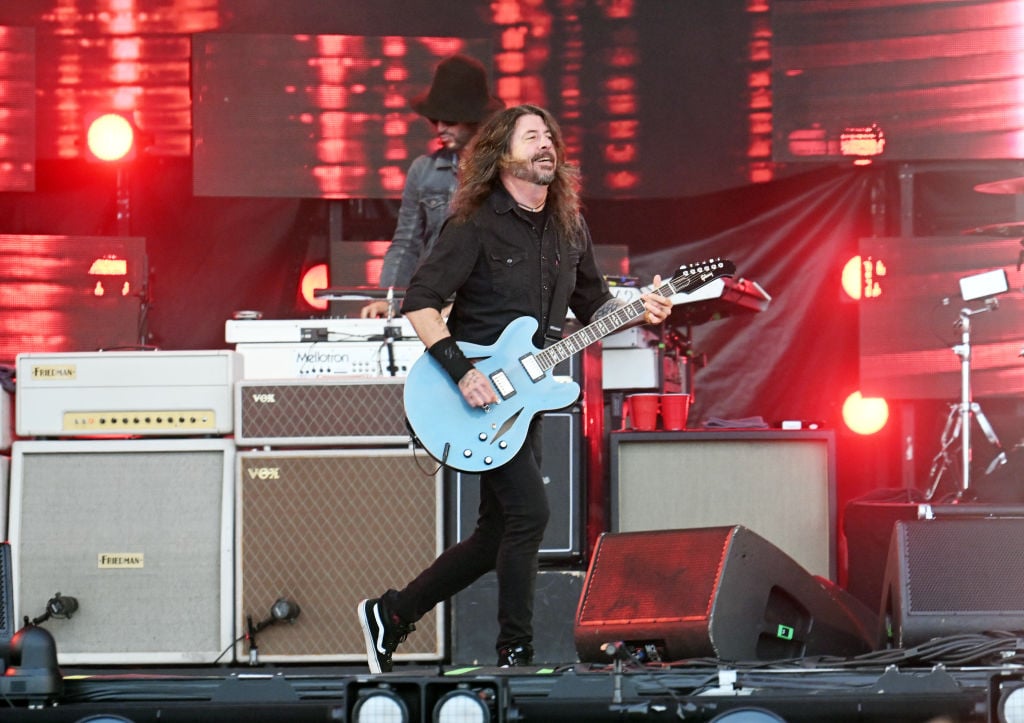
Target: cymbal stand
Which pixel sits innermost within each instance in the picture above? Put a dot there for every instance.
(958, 423)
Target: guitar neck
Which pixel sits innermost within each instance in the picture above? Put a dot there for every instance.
(595, 331)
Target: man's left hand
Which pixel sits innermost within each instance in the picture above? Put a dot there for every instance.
(657, 307)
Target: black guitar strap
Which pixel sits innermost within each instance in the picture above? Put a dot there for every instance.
(559, 306)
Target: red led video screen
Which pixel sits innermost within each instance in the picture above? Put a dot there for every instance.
(17, 109)
(911, 324)
(312, 116)
(899, 79)
(70, 293)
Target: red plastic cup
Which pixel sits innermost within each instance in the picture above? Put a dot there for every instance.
(675, 408)
(642, 411)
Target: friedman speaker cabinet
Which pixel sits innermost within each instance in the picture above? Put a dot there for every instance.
(952, 577)
(563, 479)
(139, 533)
(722, 592)
(359, 412)
(325, 529)
(780, 484)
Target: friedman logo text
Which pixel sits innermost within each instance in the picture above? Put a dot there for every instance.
(55, 372)
(121, 560)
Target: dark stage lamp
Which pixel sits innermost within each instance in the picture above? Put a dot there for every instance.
(380, 705)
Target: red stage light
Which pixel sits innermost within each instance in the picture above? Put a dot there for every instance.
(860, 278)
(110, 137)
(865, 415)
(314, 278)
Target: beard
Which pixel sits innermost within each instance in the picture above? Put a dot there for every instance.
(526, 171)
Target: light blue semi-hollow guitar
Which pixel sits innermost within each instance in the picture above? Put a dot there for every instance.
(474, 439)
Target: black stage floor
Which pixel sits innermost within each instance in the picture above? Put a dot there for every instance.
(959, 679)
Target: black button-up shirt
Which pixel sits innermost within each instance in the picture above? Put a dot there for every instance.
(500, 266)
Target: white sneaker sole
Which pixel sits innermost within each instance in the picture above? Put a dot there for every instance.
(371, 646)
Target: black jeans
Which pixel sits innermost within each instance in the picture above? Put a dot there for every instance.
(513, 515)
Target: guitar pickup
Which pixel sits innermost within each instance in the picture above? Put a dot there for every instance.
(531, 367)
(502, 383)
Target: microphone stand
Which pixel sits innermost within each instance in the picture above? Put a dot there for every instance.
(391, 332)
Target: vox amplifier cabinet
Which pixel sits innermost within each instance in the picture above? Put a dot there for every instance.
(561, 466)
(126, 393)
(328, 359)
(314, 412)
(780, 484)
(139, 532)
(325, 529)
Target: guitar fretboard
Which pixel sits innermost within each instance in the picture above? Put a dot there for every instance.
(686, 279)
(581, 339)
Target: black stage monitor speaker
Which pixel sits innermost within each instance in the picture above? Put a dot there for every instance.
(139, 532)
(722, 592)
(953, 576)
(327, 528)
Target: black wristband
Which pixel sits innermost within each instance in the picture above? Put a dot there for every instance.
(450, 357)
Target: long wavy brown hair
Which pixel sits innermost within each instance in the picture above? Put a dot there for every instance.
(482, 163)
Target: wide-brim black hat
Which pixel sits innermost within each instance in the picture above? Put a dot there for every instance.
(458, 93)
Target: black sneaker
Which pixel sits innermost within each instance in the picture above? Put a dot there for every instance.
(383, 632)
(512, 656)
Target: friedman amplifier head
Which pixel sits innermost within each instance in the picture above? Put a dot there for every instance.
(126, 393)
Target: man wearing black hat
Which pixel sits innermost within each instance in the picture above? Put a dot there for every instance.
(456, 103)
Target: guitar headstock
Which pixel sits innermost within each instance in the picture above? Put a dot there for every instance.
(690, 277)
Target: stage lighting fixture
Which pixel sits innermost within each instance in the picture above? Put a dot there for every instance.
(462, 706)
(1006, 698)
(748, 715)
(987, 284)
(380, 705)
(31, 672)
(109, 137)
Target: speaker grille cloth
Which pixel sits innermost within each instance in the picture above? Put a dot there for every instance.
(328, 531)
(324, 410)
(965, 565)
(7, 625)
(164, 505)
(654, 576)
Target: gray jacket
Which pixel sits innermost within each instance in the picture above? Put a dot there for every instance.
(429, 187)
